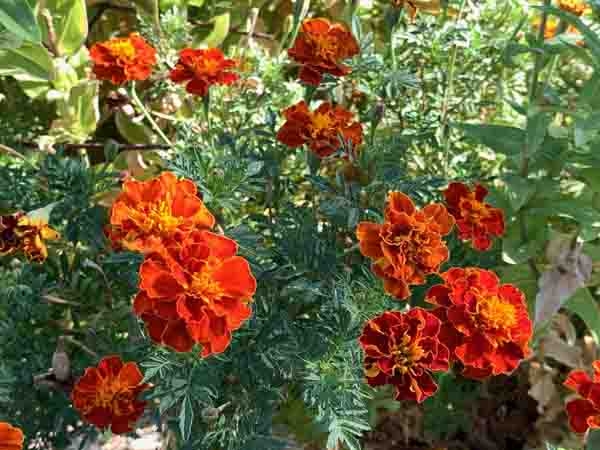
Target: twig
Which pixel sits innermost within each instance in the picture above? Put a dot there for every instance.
(96, 146)
(82, 346)
(48, 298)
(148, 116)
(52, 46)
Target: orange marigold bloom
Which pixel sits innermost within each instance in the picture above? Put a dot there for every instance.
(577, 7)
(476, 220)
(195, 290)
(486, 325)
(147, 211)
(19, 232)
(320, 47)
(584, 413)
(202, 68)
(408, 246)
(320, 129)
(123, 59)
(11, 438)
(107, 395)
(433, 7)
(401, 349)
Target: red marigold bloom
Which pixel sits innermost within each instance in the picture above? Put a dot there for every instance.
(11, 438)
(320, 47)
(476, 220)
(202, 68)
(107, 395)
(195, 290)
(486, 325)
(408, 246)
(19, 232)
(401, 349)
(152, 210)
(123, 59)
(320, 129)
(584, 412)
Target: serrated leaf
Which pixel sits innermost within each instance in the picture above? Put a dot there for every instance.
(502, 139)
(186, 418)
(584, 305)
(18, 18)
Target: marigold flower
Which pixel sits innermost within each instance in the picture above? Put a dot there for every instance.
(20, 233)
(11, 438)
(402, 349)
(408, 246)
(147, 211)
(107, 395)
(584, 412)
(414, 6)
(577, 7)
(320, 47)
(195, 290)
(486, 325)
(202, 68)
(476, 220)
(552, 29)
(321, 129)
(123, 59)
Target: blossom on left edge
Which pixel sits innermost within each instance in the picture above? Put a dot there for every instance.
(584, 413)
(107, 396)
(402, 349)
(149, 212)
(20, 233)
(11, 438)
(195, 290)
(123, 59)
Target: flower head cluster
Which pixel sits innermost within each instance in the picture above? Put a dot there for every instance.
(402, 349)
(107, 395)
(476, 220)
(408, 246)
(147, 211)
(414, 6)
(486, 325)
(20, 233)
(123, 59)
(322, 130)
(321, 47)
(577, 7)
(202, 68)
(584, 413)
(193, 287)
(11, 438)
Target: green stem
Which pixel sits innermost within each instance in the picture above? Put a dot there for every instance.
(448, 95)
(147, 115)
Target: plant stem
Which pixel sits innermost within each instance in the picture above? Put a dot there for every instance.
(447, 95)
(147, 115)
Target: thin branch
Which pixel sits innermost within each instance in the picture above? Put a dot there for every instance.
(97, 146)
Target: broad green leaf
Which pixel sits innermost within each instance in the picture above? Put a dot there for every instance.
(133, 132)
(18, 18)
(502, 139)
(519, 191)
(593, 440)
(219, 31)
(586, 128)
(79, 115)
(591, 177)
(186, 418)
(70, 23)
(590, 94)
(522, 276)
(30, 62)
(583, 304)
(9, 40)
(537, 126)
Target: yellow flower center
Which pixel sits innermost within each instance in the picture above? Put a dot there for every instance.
(160, 219)
(205, 287)
(496, 312)
(122, 48)
(325, 47)
(321, 122)
(108, 394)
(406, 354)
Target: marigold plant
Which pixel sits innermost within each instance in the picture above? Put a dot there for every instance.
(408, 246)
(107, 396)
(476, 220)
(486, 324)
(402, 349)
(584, 413)
(195, 290)
(147, 211)
(11, 438)
(320, 48)
(119, 60)
(202, 68)
(324, 130)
